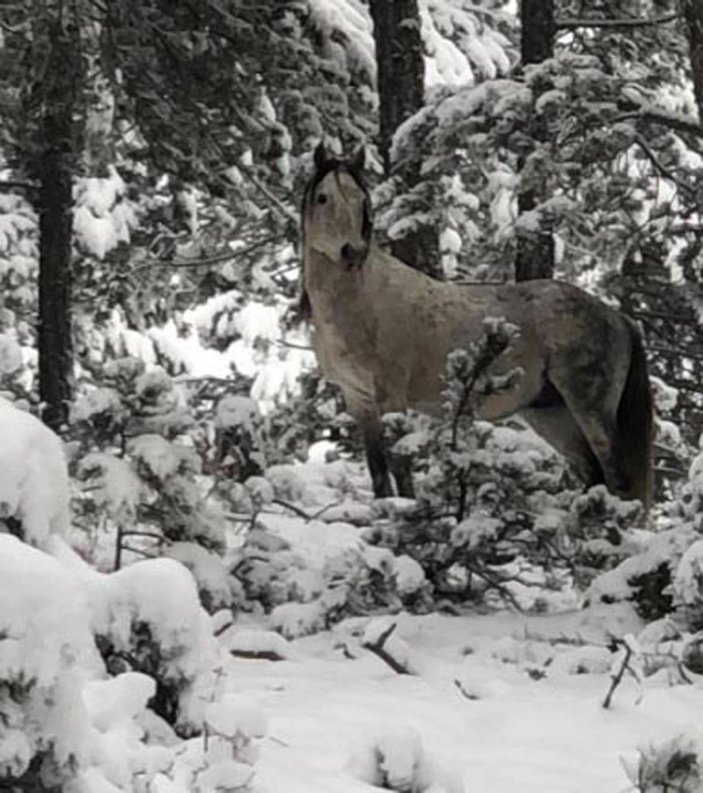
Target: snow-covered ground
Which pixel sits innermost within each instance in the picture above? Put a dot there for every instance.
(479, 714)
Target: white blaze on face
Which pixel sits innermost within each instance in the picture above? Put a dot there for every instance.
(335, 216)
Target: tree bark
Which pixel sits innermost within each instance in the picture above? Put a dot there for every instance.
(401, 79)
(693, 14)
(56, 153)
(535, 249)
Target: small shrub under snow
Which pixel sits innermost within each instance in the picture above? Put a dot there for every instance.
(396, 760)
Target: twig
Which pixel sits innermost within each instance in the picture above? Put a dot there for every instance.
(292, 507)
(494, 582)
(285, 211)
(292, 346)
(464, 692)
(618, 676)
(223, 628)
(257, 655)
(324, 509)
(378, 649)
(151, 534)
(138, 551)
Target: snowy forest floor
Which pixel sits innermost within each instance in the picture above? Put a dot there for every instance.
(501, 701)
(550, 735)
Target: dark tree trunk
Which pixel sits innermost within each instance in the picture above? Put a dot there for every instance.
(56, 153)
(401, 78)
(535, 250)
(693, 14)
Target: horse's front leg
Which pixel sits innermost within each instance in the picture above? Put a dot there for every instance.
(372, 431)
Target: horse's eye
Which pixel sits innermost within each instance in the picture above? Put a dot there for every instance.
(322, 199)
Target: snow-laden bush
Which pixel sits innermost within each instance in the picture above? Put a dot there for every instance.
(687, 587)
(306, 595)
(65, 726)
(239, 437)
(141, 472)
(674, 766)
(33, 476)
(46, 655)
(62, 725)
(223, 760)
(664, 572)
(209, 571)
(147, 618)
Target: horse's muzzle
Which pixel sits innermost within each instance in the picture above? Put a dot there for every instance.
(352, 256)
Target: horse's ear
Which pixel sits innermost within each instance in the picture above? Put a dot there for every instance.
(358, 161)
(320, 156)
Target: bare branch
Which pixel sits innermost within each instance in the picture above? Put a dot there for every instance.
(292, 507)
(276, 202)
(257, 655)
(661, 168)
(618, 676)
(614, 24)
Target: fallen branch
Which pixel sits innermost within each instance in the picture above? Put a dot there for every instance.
(257, 655)
(378, 649)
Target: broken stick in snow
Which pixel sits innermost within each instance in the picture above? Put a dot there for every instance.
(378, 647)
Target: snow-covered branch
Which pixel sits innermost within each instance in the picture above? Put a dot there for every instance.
(647, 112)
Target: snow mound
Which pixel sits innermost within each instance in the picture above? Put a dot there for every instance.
(34, 484)
(397, 760)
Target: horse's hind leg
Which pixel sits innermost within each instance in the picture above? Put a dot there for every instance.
(593, 405)
(372, 431)
(555, 424)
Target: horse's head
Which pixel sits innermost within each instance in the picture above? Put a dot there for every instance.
(337, 209)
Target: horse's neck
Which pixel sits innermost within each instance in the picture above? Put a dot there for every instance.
(331, 283)
(323, 276)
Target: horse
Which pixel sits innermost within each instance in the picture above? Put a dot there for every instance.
(382, 331)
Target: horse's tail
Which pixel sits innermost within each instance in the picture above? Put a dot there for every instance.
(636, 421)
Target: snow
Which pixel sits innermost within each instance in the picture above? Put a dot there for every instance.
(253, 642)
(103, 217)
(34, 484)
(326, 711)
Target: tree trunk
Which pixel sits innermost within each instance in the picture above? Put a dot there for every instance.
(693, 14)
(401, 79)
(56, 152)
(535, 249)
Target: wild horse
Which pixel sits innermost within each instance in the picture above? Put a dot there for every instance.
(382, 332)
